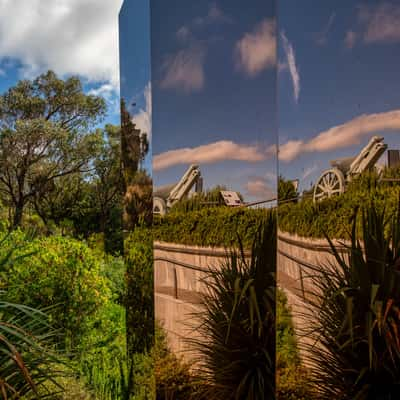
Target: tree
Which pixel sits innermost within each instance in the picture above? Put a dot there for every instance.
(134, 145)
(286, 190)
(44, 135)
(62, 198)
(108, 185)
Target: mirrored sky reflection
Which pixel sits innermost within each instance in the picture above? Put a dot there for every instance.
(338, 80)
(135, 69)
(214, 93)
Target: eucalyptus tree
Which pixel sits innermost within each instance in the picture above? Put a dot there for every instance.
(44, 135)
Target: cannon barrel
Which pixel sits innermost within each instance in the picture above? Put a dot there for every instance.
(368, 156)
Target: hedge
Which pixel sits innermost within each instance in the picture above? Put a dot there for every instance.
(333, 217)
(216, 226)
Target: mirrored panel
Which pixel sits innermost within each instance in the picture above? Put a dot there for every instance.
(214, 170)
(136, 138)
(338, 194)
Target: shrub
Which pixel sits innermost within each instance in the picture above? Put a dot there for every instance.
(139, 300)
(162, 375)
(28, 364)
(59, 272)
(172, 375)
(291, 378)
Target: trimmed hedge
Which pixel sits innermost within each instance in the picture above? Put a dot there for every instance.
(333, 217)
(217, 226)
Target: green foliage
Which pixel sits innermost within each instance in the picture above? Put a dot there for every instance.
(286, 191)
(172, 375)
(85, 203)
(291, 378)
(47, 119)
(134, 145)
(217, 226)
(139, 300)
(210, 198)
(161, 375)
(333, 216)
(28, 364)
(60, 272)
(104, 365)
(357, 307)
(138, 201)
(286, 343)
(102, 360)
(237, 329)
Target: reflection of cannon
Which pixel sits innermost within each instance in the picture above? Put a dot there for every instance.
(333, 181)
(165, 197)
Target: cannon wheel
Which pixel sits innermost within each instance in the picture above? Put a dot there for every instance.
(330, 183)
(159, 206)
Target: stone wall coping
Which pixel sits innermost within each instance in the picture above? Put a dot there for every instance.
(193, 249)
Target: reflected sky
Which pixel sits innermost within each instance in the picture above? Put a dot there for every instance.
(214, 93)
(135, 72)
(338, 82)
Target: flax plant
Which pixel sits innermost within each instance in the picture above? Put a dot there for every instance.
(236, 349)
(29, 367)
(356, 309)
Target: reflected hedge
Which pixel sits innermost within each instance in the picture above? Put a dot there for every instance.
(215, 227)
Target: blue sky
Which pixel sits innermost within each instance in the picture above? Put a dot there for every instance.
(214, 93)
(70, 37)
(343, 59)
(213, 73)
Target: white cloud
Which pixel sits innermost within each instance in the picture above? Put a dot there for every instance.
(382, 22)
(185, 69)
(183, 33)
(282, 66)
(143, 118)
(214, 15)
(322, 36)
(209, 153)
(110, 94)
(259, 188)
(291, 60)
(309, 171)
(67, 36)
(344, 135)
(106, 90)
(376, 24)
(290, 150)
(350, 39)
(256, 50)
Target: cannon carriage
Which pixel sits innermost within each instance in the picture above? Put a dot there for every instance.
(333, 181)
(165, 197)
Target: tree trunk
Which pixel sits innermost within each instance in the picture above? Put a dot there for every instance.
(19, 209)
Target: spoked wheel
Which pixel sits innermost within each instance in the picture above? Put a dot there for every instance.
(329, 184)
